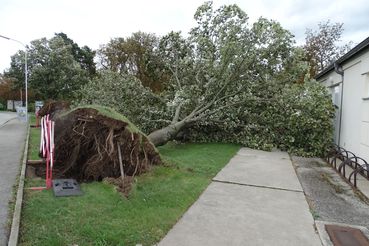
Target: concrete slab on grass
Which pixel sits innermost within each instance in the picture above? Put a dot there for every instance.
(229, 214)
(261, 168)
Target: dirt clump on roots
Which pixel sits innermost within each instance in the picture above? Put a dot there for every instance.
(54, 108)
(95, 143)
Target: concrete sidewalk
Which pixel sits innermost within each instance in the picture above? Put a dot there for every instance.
(255, 200)
(12, 137)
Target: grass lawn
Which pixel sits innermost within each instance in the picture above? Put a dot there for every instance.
(103, 216)
(34, 141)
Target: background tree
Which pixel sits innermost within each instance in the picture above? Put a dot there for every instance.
(54, 71)
(322, 46)
(137, 56)
(83, 55)
(8, 91)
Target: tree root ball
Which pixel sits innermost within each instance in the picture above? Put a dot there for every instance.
(94, 142)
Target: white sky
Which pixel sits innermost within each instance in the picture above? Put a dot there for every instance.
(95, 22)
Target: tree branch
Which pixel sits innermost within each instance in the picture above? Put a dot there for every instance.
(214, 100)
(176, 115)
(161, 120)
(224, 107)
(175, 74)
(197, 76)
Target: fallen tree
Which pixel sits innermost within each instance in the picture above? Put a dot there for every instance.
(226, 80)
(223, 64)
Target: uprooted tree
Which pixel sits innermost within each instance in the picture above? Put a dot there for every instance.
(223, 77)
(95, 142)
(215, 69)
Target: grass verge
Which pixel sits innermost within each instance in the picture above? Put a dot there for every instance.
(103, 216)
(34, 139)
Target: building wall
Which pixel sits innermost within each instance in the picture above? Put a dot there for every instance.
(364, 141)
(355, 104)
(333, 82)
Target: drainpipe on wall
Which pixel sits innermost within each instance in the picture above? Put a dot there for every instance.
(339, 70)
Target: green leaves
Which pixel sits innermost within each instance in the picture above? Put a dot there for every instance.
(298, 120)
(136, 55)
(228, 81)
(57, 68)
(126, 94)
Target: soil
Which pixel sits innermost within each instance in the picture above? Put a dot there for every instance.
(87, 145)
(123, 185)
(53, 108)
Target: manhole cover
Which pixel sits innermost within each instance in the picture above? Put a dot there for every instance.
(346, 236)
(66, 187)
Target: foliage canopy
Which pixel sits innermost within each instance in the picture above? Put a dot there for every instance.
(57, 67)
(227, 81)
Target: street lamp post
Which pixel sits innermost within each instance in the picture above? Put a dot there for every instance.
(25, 70)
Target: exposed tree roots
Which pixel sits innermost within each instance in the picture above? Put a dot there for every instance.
(90, 146)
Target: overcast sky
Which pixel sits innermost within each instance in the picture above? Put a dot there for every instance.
(95, 22)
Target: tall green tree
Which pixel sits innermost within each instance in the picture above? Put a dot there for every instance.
(54, 72)
(83, 55)
(137, 56)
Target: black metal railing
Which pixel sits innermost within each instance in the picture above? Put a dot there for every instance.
(341, 159)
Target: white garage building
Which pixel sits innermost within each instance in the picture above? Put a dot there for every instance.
(348, 81)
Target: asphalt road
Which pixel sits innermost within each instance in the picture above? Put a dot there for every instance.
(6, 116)
(12, 138)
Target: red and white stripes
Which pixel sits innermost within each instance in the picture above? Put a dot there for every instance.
(47, 146)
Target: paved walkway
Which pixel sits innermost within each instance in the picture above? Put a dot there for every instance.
(255, 200)
(12, 137)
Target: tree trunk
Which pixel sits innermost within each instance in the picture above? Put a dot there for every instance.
(162, 136)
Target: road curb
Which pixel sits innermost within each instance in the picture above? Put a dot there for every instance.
(14, 232)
